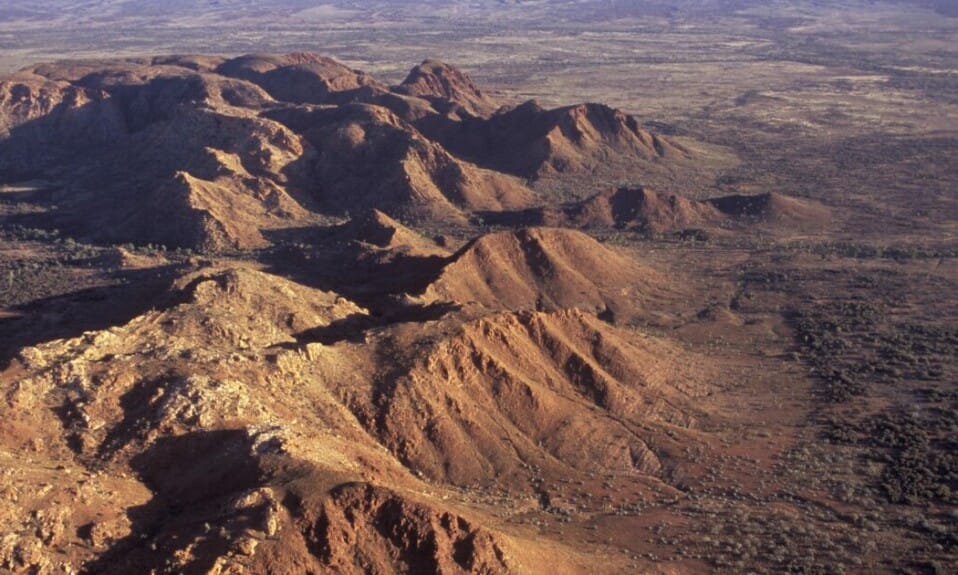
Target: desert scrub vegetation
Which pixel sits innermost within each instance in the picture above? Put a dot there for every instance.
(738, 539)
(25, 281)
(921, 473)
(856, 250)
(36, 264)
(855, 348)
(918, 454)
(851, 345)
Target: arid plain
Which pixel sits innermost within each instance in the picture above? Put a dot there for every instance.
(286, 314)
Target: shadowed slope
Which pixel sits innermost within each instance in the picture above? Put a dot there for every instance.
(44, 122)
(303, 78)
(535, 143)
(370, 158)
(202, 179)
(773, 207)
(179, 159)
(380, 230)
(645, 210)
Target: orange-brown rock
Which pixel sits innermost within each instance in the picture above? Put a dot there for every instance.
(45, 122)
(543, 268)
(621, 208)
(549, 390)
(378, 229)
(215, 154)
(773, 207)
(642, 209)
(368, 158)
(440, 82)
(532, 142)
(208, 435)
(303, 78)
(202, 180)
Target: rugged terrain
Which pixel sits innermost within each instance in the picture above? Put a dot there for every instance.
(270, 313)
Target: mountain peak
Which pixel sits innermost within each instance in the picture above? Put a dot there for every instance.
(436, 79)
